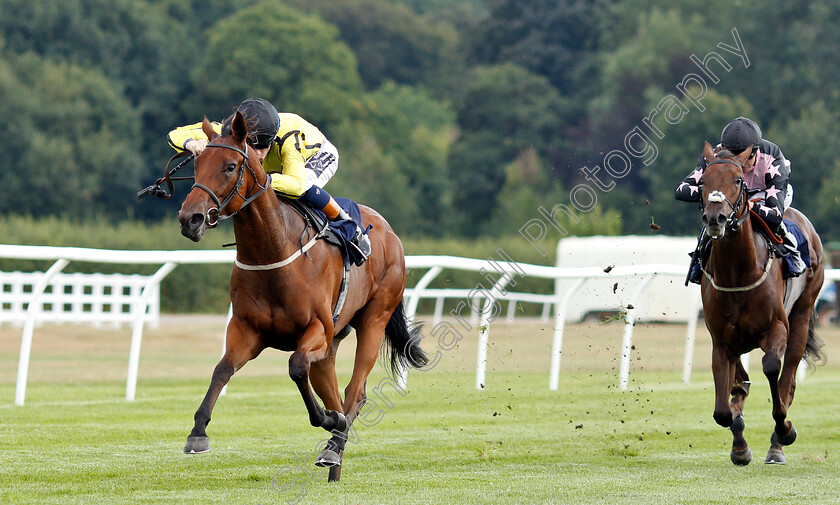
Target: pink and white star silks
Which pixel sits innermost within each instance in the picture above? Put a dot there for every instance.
(772, 191)
(767, 210)
(697, 175)
(691, 189)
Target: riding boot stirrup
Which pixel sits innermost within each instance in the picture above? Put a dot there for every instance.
(361, 243)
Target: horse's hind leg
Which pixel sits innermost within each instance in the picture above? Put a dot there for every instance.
(241, 348)
(784, 432)
(741, 453)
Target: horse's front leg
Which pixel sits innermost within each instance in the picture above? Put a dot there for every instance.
(741, 453)
(324, 382)
(241, 346)
(723, 369)
(313, 347)
(774, 349)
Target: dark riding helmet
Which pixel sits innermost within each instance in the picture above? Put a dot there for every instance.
(263, 122)
(740, 134)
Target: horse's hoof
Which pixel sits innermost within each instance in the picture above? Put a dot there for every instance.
(738, 424)
(789, 438)
(197, 445)
(741, 458)
(328, 458)
(775, 457)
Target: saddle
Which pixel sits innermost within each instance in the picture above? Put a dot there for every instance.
(773, 239)
(338, 233)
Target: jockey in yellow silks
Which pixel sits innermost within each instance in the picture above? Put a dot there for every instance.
(298, 156)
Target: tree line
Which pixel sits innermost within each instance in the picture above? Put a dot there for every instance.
(453, 117)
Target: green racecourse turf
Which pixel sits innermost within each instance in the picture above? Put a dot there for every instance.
(78, 441)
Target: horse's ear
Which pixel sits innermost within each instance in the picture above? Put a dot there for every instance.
(708, 153)
(239, 127)
(744, 155)
(207, 128)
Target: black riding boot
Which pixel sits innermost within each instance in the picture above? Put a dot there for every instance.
(700, 252)
(796, 265)
(360, 242)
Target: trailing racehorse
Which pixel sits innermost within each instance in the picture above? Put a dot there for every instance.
(746, 307)
(285, 287)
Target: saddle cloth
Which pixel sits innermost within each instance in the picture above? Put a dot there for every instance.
(341, 232)
(776, 243)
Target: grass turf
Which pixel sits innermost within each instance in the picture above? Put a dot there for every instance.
(78, 441)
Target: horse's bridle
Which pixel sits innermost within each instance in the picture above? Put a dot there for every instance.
(214, 215)
(733, 222)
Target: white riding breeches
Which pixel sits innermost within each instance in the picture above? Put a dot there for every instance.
(321, 166)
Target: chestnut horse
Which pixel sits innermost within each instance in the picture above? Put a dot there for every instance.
(284, 292)
(743, 304)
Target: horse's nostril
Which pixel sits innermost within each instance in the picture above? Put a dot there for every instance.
(196, 219)
(705, 220)
(721, 220)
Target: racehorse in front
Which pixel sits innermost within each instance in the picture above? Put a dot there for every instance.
(746, 307)
(284, 293)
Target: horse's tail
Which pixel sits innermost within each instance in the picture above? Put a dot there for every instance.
(403, 347)
(813, 346)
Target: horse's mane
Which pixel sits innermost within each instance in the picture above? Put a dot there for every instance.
(725, 154)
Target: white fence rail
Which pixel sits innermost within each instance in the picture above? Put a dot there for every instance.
(138, 301)
(636, 276)
(40, 301)
(96, 299)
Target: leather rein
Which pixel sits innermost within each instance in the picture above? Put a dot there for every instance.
(214, 216)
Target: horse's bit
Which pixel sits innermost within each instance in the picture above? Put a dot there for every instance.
(214, 216)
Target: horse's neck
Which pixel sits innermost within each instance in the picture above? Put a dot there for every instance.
(266, 231)
(736, 254)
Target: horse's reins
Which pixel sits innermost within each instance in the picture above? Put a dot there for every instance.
(156, 190)
(214, 215)
(733, 223)
(221, 204)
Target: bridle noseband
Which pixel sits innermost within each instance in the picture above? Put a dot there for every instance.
(732, 222)
(214, 216)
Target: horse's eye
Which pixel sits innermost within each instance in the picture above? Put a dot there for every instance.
(230, 167)
(739, 181)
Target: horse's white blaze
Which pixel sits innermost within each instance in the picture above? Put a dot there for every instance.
(716, 197)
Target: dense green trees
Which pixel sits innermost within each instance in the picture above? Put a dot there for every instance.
(71, 140)
(455, 117)
(272, 51)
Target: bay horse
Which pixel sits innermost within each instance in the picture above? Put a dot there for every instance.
(284, 293)
(743, 303)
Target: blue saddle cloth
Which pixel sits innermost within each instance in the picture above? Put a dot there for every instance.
(801, 246)
(345, 229)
